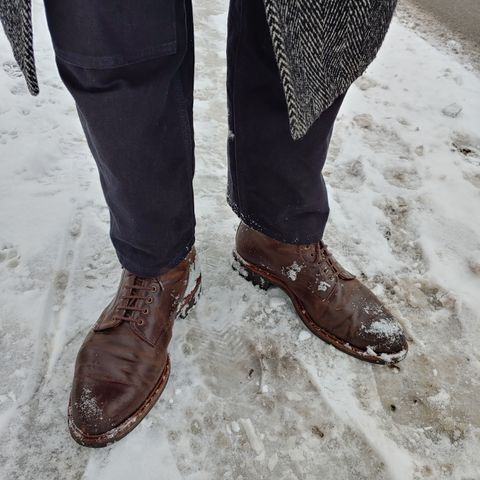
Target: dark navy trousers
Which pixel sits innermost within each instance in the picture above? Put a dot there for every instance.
(129, 66)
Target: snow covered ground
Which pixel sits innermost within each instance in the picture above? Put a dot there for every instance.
(253, 395)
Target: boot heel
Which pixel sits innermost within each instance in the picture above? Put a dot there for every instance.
(248, 274)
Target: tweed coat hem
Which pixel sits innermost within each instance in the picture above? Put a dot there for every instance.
(321, 48)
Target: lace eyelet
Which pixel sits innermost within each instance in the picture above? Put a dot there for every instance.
(154, 289)
(149, 299)
(141, 321)
(146, 311)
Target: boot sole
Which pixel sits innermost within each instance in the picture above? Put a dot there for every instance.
(264, 280)
(117, 433)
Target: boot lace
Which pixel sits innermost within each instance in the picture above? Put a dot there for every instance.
(134, 300)
(321, 252)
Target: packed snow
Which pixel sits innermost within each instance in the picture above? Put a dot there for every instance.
(252, 394)
(293, 270)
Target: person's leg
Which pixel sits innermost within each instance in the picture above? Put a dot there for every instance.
(277, 189)
(275, 183)
(129, 66)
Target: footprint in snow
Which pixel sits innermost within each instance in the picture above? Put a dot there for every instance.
(349, 176)
(401, 238)
(9, 255)
(403, 176)
(366, 83)
(11, 69)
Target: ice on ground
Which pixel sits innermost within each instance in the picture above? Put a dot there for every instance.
(304, 335)
(404, 185)
(452, 110)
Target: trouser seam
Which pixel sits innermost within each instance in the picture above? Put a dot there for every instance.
(236, 189)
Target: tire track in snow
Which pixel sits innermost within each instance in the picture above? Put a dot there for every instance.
(50, 331)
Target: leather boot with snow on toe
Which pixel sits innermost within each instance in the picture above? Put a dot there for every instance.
(331, 302)
(123, 365)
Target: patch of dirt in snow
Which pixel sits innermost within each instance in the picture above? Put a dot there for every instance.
(252, 395)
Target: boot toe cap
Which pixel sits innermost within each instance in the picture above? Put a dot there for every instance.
(97, 409)
(384, 337)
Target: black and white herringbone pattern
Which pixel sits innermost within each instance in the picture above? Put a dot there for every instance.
(16, 17)
(321, 47)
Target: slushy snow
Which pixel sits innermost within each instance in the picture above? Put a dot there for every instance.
(404, 179)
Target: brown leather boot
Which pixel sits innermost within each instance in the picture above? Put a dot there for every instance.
(123, 365)
(332, 303)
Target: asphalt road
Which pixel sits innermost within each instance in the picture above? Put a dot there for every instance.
(461, 16)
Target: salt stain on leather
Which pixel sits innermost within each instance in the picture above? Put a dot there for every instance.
(89, 405)
(373, 309)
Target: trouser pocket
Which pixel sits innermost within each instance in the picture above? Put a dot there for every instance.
(111, 33)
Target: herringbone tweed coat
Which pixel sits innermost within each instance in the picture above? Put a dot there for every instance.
(321, 47)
